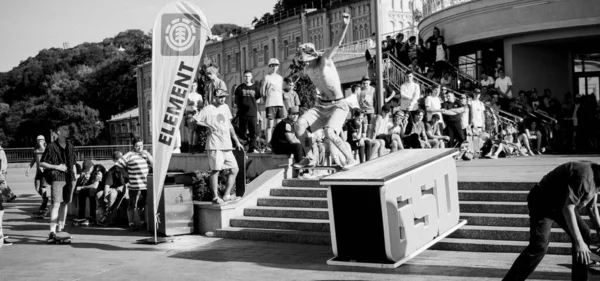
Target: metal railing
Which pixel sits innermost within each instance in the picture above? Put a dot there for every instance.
(100, 152)
(431, 7)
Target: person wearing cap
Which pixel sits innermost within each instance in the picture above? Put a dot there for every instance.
(115, 185)
(39, 182)
(272, 89)
(284, 140)
(217, 118)
(331, 108)
(59, 162)
(90, 179)
(366, 99)
(214, 84)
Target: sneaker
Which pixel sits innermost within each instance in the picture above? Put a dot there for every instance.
(133, 227)
(85, 223)
(51, 237)
(350, 163)
(218, 201)
(305, 162)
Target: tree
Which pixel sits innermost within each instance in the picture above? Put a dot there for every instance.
(227, 28)
(278, 8)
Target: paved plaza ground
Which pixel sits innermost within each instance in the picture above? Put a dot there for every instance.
(111, 254)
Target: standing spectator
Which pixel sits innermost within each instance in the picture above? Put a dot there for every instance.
(487, 81)
(410, 92)
(137, 163)
(477, 113)
(247, 110)
(400, 55)
(284, 139)
(219, 145)
(433, 103)
(431, 44)
(413, 49)
(114, 185)
(465, 117)
(452, 113)
(366, 100)
(194, 103)
(352, 99)
(272, 89)
(290, 97)
(433, 127)
(39, 182)
(59, 157)
(213, 84)
(441, 56)
(503, 84)
(557, 199)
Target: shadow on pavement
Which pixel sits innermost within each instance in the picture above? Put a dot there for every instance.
(314, 257)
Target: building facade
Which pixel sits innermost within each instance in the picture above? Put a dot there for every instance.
(542, 44)
(123, 127)
(252, 51)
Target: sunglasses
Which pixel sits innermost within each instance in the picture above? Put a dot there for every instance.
(273, 65)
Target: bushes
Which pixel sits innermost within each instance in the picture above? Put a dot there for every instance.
(201, 185)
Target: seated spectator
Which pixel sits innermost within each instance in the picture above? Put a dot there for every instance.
(284, 140)
(503, 145)
(379, 131)
(415, 135)
(453, 111)
(90, 178)
(447, 80)
(487, 81)
(113, 188)
(434, 129)
(400, 121)
(527, 136)
(353, 133)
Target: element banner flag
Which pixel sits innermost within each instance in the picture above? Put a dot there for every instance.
(179, 36)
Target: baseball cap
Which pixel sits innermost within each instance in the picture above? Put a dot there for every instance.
(365, 78)
(273, 61)
(40, 137)
(87, 165)
(221, 93)
(293, 110)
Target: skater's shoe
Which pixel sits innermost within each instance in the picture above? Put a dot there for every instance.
(51, 238)
(350, 163)
(305, 162)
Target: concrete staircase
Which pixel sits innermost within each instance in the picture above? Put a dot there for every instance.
(497, 215)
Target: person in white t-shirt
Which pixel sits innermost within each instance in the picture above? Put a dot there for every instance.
(446, 81)
(503, 84)
(433, 103)
(486, 81)
(352, 99)
(477, 113)
(272, 90)
(410, 92)
(219, 146)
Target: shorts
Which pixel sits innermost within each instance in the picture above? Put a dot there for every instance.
(326, 114)
(275, 112)
(137, 199)
(387, 138)
(62, 192)
(221, 159)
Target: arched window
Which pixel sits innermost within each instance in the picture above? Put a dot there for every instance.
(367, 30)
(355, 33)
(286, 50)
(266, 54)
(393, 26)
(401, 27)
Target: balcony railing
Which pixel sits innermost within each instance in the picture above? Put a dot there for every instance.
(431, 7)
(101, 152)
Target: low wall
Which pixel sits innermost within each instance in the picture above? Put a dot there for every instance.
(261, 162)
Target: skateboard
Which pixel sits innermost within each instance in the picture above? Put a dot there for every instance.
(331, 169)
(240, 179)
(40, 214)
(81, 222)
(61, 238)
(110, 214)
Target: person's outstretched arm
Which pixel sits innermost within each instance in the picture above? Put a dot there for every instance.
(335, 44)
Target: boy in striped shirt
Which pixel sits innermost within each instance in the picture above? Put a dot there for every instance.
(137, 163)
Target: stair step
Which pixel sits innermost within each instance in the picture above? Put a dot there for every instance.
(515, 220)
(493, 195)
(281, 223)
(505, 233)
(495, 185)
(299, 192)
(302, 183)
(480, 245)
(287, 212)
(275, 235)
(299, 202)
(493, 207)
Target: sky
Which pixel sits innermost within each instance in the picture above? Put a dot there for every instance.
(28, 26)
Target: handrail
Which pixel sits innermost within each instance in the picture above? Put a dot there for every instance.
(97, 152)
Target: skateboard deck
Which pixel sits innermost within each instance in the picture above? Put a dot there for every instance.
(240, 179)
(78, 222)
(61, 238)
(39, 215)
